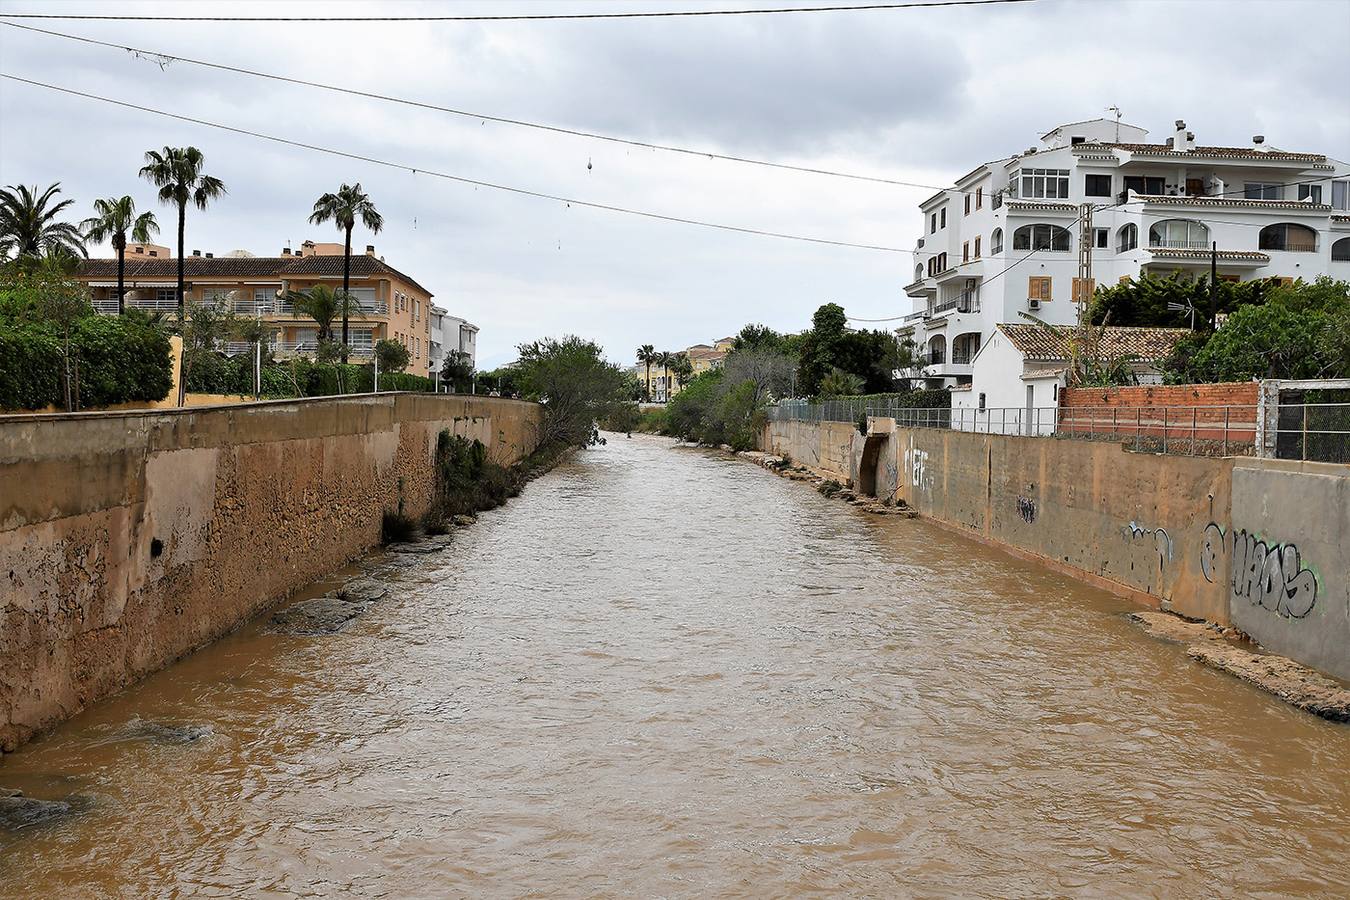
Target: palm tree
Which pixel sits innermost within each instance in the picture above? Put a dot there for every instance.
(343, 209)
(323, 304)
(28, 226)
(113, 218)
(647, 354)
(177, 172)
(665, 359)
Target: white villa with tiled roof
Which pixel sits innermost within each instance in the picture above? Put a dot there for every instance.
(1272, 214)
(1021, 368)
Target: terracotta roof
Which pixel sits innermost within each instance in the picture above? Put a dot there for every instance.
(1235, 202)
(1227, 152)
(1050, 206)
(363, 266)
(1041, 344)
(1186, 253)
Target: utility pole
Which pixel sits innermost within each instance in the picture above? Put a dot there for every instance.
(1213, 284)
(1083, 283)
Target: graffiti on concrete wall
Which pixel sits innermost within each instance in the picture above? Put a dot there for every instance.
(1026, 508)
(1162, 541)
(916, 465)
(1270, 576)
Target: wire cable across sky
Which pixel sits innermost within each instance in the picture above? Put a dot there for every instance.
(157, 55)
(529, 17)
(417, 170)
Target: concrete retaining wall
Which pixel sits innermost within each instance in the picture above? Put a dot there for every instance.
(128, 539)
(1287, 549)
(1147, 525)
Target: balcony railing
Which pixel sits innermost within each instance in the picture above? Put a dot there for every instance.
(966, 303)
(1177, 244)
(377, 308)
(1290, 246)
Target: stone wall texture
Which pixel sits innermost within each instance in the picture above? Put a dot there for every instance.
(1261, 546)
(128, 539)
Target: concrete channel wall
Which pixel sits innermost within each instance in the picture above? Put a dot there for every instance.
(129, 538)
(1158, 528)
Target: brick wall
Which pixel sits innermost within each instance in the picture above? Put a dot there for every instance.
(1223, 414)
(1237, 393)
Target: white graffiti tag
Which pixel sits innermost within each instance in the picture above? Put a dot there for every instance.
(916, 464)
(1271, 577)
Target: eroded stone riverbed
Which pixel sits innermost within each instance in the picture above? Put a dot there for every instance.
(665, 672)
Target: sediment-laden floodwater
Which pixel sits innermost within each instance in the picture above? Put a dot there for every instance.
(661, 672)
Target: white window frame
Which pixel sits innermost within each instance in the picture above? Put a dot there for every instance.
(1043, 184)
(1263, 190)
(1340, 195)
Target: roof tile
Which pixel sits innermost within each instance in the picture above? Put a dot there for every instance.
(1041, 344)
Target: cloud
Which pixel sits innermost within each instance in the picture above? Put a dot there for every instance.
(920, 96)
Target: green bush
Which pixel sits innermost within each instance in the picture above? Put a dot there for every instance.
(298, 377)
(114, 360)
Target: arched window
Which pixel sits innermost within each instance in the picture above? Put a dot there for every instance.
(1289, 237)
(918, 272)
(1041, 237)
(1340, 251)
(1127, 238)
(1180, 233)
(937, 350)
(996, 241)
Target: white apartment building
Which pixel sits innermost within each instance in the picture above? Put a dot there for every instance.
(1004, 240)
(450, 334)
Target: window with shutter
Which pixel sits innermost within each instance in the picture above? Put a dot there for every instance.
(1038, 287)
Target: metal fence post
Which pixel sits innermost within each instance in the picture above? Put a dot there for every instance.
(1225, 430)
(1305, 427)
(1194, 413)
(1164, 429)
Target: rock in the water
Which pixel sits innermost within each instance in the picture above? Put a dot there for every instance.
(321, 615)
(362, 590)
(17, 811)
(419, 547)
(463, 520)
(166, 732)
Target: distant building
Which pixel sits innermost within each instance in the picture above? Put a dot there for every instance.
(702, 358)
(1004, 239)
(393, 305)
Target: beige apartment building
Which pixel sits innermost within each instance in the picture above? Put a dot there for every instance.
(393, 305)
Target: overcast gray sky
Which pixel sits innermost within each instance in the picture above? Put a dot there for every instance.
(918, 95)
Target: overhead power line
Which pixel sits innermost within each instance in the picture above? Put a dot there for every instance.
(417, 170)
(158, 55)
(526, 17)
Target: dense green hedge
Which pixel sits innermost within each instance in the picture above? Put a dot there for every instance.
(219, 374)
(113, 361)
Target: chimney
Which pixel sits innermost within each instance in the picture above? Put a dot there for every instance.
(196, 253)
(1183, 140)
(370, 249)
(1259, 143)
(209, 255)
(285, 251)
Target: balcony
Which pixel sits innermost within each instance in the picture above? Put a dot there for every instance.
(284, 309)
(1177, 244)
(965, 303)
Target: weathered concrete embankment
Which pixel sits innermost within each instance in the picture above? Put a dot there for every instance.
(1256, 546)
(130, 538)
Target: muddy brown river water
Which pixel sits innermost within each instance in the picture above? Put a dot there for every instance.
(662, 672)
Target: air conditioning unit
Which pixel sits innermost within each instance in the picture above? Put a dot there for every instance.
(1033, 304)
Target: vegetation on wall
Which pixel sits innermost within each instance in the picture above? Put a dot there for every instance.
(55, 352)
